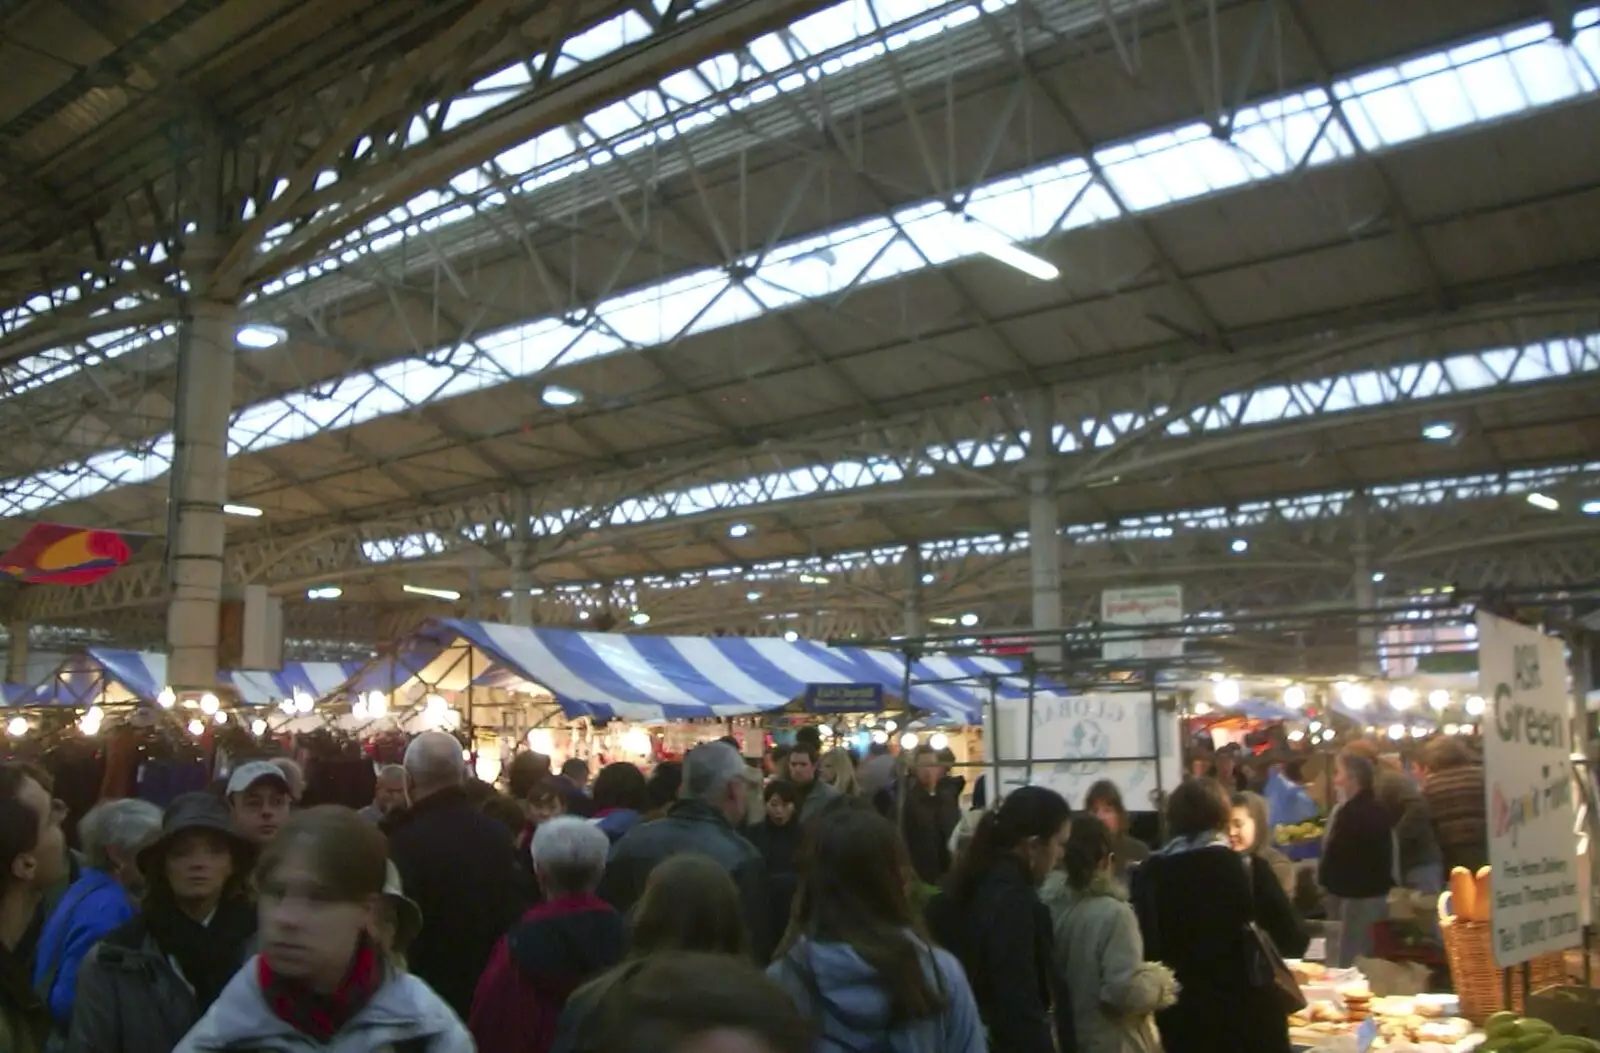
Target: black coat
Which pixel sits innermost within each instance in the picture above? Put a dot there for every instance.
(780, 850)
(459, 866)
(1358, 850)
(1003, 938)
(929, 821)
(1193, 907)
(692, 826)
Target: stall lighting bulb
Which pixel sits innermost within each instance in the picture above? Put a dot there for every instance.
(1475, 705)
(939, 740)
(258, 727)
(209, 704)
(167, 698)
(196, 728)
(221, 717)
(1439, 699)
(1402, 698)
(908, 741)
(1294, 696)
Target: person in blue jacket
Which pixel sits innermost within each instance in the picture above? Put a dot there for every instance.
(102, 898)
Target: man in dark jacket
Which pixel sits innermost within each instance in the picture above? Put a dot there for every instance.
(458, 865)
(703, 820)
(932, 813)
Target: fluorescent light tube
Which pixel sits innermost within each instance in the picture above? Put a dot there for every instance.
(438, 594)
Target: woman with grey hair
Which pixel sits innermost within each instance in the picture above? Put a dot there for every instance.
(111, 834)
(558, 946)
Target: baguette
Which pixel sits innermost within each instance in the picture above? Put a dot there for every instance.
(1484, 900)
(1463, 894)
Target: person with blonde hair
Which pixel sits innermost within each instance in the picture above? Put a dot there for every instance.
(837, 768)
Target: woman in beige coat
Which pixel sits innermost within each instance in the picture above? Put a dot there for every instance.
(1111, 992)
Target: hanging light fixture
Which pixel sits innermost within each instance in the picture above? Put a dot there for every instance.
(167, 698)
(209, 704)
(258, 727)
(197, 728)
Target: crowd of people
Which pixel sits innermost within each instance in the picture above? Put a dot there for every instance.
(811, 903)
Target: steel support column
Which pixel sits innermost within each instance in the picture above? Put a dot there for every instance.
(518, 550)
(198, 489)
(1366, 595)
(1044, 525)
(913, 598)
(17, 653)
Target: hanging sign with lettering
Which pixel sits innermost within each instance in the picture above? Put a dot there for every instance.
(1528, 791)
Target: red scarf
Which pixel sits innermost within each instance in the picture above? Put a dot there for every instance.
(321, 1016)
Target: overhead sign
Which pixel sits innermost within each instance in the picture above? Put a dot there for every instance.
(1078, 740)
(844, 698)
(1528, 791)
(1148, 605)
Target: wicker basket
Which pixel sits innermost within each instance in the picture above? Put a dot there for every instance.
(1480, 985)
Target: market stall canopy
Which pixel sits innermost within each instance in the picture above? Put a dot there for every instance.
(110, 675)
(652, 678)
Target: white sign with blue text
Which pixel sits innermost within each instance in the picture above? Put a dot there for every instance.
(1080, 739)
(1528, 791)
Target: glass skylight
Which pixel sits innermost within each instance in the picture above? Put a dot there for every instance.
(1152, 528)
(1364, 389)
(1271, 139)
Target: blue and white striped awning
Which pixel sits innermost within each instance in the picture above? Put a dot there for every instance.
(651, 678)
(140, 675)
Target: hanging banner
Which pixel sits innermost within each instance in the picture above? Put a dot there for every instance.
(1149, 605)
(1528, 791)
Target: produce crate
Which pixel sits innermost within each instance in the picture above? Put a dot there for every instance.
(1569, 1009)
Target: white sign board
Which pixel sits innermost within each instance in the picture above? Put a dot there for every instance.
(1079, 740)
(1528, 791)
(1150, 605)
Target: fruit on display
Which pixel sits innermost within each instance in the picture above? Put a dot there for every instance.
(1506, 1032)
(1299, 833)
(1471, 896)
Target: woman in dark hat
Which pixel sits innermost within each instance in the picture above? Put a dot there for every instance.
(143, 987)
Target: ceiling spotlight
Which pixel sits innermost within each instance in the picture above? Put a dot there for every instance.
(1439, 431)
(555, 395)
(1439, 699)
(439, 594)
(1402, 697)
(1378, 575)
(1239, 545)
(929, 579)
(167, 698)
(1294, 696)
(248, 511)
(583, 616)
(258, 727)
(753, 597)
(739, 530)
(1226, 692)
(1544, 501)
(258, 336)
(969, 620)
(324, 592)
(791, 637)
(1475, 705)
(640, 618)
(1591, 508)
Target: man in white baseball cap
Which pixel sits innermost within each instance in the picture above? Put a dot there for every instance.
(258, 796)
